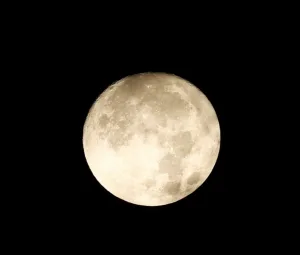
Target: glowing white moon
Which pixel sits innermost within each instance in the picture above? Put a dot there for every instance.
(151, 139)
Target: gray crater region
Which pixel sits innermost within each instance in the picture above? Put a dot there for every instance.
(151, 139)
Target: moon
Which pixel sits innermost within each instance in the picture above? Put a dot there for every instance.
(151, 139)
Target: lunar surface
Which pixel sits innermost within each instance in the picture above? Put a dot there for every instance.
(151, 139)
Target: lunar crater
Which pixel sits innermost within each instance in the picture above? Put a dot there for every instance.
(194, 178)
(171, 165)
(172, 188)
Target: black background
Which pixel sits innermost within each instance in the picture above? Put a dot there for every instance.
(78, 57)
(227, 56)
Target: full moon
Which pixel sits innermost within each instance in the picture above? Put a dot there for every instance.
(151, 139)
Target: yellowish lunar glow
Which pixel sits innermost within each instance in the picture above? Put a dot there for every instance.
(151, 139)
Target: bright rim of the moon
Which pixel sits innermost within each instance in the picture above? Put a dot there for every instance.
(151, 139)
